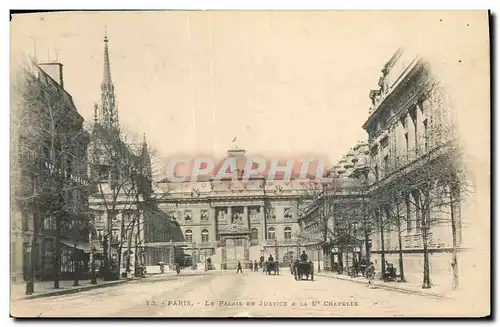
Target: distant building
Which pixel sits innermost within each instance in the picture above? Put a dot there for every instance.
(335, 216)
(49, 175)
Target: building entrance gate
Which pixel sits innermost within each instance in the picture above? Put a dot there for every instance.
(235, 246)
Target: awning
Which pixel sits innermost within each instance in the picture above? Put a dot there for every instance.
(84, 246)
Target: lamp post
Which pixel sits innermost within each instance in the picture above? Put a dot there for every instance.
(94, 277)
(354, 261)
(318, 247)
(75, 264)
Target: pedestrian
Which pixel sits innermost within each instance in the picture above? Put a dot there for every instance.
(255, 266)
(363, 267)
(370, 273)
(239, 268)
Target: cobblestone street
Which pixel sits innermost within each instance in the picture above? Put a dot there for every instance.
(226, 294)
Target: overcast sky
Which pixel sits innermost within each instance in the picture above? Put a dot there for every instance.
(283, 83)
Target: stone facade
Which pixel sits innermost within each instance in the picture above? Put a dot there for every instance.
(414, 159)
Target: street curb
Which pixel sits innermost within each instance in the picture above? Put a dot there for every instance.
(390, 287)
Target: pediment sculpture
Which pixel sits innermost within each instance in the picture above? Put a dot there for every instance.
(233, 228)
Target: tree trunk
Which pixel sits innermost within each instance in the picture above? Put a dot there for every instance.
(367, 246)
(427, 280)
(105, 271)
(109, 257)
(136, 256)
(30, 283)
(119, 255)
(400, 246)
(382, 246)
(57, 252)
(454, 262)
(129, 246)
(75, 267)
(425, 235)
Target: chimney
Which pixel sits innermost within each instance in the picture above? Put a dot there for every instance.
(54, 70)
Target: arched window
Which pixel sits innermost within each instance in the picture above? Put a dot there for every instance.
(204, 236)
(254, 236)
(271, 234)
(288, 233)
(189, 235)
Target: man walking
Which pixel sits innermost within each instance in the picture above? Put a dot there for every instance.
(239, 268)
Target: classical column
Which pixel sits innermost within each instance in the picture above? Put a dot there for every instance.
(246, 219)
(223, 254)
(263, 223)
(230, 214)
(213, 224)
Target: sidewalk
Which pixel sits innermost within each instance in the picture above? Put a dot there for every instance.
(441, 285)
(46, 289)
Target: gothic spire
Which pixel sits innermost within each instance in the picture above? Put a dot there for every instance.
(109, 110)
(107, 71)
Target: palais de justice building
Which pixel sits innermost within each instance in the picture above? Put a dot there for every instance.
(230, 221)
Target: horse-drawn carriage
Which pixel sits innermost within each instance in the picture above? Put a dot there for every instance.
(303, 268)
(272, 266)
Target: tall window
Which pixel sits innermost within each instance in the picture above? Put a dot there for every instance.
(254, 236)
(271, 234)
(204, 236)
(204, 215)
(407, 146)
(25, 219)
(288, 233)
(271, 213)
(189, 236)
(413, 115)
(416, 199)
(386, 165)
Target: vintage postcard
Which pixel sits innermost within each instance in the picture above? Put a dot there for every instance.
(250, 164)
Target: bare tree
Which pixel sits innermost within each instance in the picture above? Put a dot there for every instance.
(113, 168)
(49, 135)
